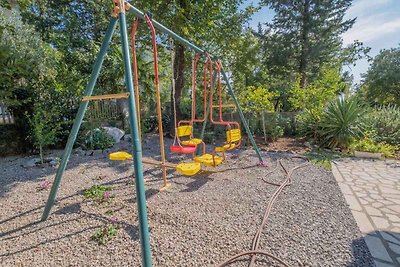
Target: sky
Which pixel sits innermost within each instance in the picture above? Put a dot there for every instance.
(377, 26)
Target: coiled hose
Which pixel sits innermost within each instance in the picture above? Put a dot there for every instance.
(256, 240)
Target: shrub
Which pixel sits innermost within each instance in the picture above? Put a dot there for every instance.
(384, 124)
(274, 128)
(368, 145)
(307, 125)
(341, 122)
(98, 139)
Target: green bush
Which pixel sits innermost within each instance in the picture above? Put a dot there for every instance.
(98, 139)
(307, 125)
(341, 122)
(369, 145)
(384, 124)
(274, 128)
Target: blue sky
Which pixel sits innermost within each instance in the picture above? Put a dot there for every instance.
(377, 26)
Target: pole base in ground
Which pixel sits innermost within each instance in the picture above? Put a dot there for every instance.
(165, 187)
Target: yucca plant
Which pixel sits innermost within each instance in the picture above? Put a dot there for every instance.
(342, 122)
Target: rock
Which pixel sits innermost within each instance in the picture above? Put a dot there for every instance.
(128, 138)
(115, 133)
(31, 163)
(79, 151)
(54, 162)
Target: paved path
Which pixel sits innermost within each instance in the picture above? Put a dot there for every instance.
(372, 190)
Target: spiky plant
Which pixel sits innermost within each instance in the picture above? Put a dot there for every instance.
(342, 122)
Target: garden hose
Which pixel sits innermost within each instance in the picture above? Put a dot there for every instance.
(256, 240)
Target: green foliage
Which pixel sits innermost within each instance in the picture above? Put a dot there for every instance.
(368, 145)
(98, 139)
(256, 99)
(341, 122)
(44, 130)
(96, 191)
(316, 95)
(323, 158)
(308, 125)
(384, 124)
(105, 233)
(304, 36)
(382, 81)
(274, 128)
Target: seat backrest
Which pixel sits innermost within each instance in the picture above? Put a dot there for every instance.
(233, 135)
(185, 130)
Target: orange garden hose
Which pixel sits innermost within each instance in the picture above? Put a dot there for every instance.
(256, 240)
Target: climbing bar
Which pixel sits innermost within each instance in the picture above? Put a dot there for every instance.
(104, 97)
(226, 106)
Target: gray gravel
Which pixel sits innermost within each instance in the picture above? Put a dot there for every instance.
(200, 221)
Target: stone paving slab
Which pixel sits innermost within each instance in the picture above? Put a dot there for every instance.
(372, 190)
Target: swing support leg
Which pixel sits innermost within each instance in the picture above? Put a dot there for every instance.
(242, 118)
(137, 148)
(79, 117)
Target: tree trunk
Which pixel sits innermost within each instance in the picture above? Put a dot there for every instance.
(303, 61)
(179, 75)
(41, 153)
(264, 127)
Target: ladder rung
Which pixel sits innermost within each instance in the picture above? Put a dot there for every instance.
(102, 97)
(226, 106)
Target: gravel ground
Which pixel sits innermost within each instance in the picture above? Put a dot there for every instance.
(200, 221)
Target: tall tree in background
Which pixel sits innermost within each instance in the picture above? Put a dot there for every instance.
(382, 81)
(305, 35)
(213, 25)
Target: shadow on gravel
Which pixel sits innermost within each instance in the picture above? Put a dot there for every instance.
(361, 255)
(384, 245)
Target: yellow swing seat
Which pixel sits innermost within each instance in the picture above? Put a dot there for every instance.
(207, 159)
(225, 147)
(193, 142)
(188, 168)
(120, 155)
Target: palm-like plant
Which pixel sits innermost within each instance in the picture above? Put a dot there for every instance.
(342, 122)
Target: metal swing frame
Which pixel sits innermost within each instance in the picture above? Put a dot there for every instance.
(118, 15)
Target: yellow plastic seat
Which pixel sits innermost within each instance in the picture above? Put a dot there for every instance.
(225, 147)
(120, 155)
(207, 159)
(233, 135)
(193, 141)
(188, 168)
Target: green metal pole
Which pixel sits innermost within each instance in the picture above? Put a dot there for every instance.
(137, 148)
(79, 117)
(242, 118)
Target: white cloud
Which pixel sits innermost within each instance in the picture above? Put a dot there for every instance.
(361, 7)
(372, 28)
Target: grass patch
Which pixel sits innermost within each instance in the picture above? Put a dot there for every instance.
(105, 233)
(323, 158)
(96, 191)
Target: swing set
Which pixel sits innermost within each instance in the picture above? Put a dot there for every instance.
(184, 141)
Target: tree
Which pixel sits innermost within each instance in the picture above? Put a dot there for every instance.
(27, 65)
(304, 35)
(213, 25)
(381, 83)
